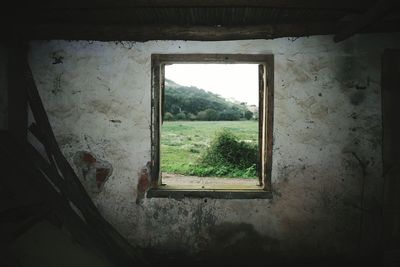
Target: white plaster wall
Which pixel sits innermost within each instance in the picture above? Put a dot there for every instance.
(322, 121)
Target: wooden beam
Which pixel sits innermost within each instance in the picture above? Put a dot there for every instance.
(173, 32)
(373, 14)
(313, 4)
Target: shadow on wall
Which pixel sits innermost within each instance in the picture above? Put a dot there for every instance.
(238, 242)
(224, 244)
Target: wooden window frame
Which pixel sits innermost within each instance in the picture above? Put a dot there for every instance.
(266, 103)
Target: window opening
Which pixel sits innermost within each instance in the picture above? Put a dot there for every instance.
(209, 123)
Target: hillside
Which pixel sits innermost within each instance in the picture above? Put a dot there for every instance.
(192, 103)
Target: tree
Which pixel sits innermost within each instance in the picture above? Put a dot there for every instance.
(229, 115)
(211, 114)
(193, 100)
(201, 116)
(248, 114)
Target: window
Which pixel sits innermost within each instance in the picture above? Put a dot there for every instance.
(265, 125)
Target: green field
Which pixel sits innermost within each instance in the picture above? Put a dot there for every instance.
(183, 142)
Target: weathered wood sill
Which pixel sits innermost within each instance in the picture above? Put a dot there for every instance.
(180, 192)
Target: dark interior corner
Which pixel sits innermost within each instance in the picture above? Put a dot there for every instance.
(78, 142)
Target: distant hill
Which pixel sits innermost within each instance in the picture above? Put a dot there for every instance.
(192, 103)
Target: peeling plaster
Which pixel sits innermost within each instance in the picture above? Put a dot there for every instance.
(92, 172)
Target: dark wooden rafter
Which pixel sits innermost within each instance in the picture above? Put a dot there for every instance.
(309, 4)
(206, 20)
(175, 32)
(377, 11)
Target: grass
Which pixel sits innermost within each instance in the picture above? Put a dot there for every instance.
(184, 142)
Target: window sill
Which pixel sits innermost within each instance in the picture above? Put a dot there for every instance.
(180, 192)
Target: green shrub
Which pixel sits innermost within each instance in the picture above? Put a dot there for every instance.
(194, 150)
(226, 154)
(191, 117)
(180, 116)
(168, 116)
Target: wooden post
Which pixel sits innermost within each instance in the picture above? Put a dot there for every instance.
(261, 145)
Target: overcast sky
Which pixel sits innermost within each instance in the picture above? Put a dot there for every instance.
(237, 81)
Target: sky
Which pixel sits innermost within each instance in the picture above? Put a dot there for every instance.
(237, 81)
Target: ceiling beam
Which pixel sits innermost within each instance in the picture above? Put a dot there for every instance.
(306, 4)
(377, 11)
(171, 32)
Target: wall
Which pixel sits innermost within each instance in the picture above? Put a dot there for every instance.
(326, 159)
(391, 154)
(44, 244)
(36, 243)
(3, 87)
